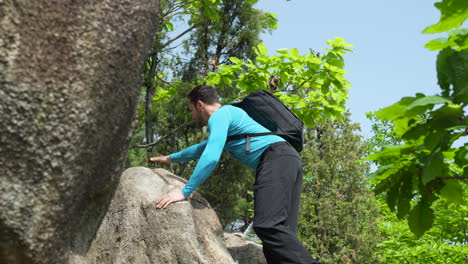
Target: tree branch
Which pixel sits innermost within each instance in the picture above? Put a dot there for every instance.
(164, 137)
(453, 178)
(171, 48)
(180, 35)
(166, 82)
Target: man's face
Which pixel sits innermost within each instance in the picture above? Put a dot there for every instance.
(196, 113)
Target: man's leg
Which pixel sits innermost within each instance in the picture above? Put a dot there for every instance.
(277, 191)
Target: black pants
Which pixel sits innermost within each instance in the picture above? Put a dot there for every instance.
(277, 191)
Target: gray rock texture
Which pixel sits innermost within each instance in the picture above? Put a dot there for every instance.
(243, 250)
(134, 231)
(70, 73)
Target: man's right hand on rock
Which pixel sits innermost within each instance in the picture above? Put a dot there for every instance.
(161, 159)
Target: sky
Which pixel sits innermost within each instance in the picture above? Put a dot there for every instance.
(389, 60)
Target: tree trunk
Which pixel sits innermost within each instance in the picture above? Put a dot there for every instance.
(70, 76)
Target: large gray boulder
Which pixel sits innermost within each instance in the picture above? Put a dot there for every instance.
(243, 250)
(70, 73)
(134, 231)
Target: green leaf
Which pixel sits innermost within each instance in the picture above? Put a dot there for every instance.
(382, 186)
(282, 51)
(421, 218)
(432, 140)
(197, 4)
(458, 40)
(226, 80)
(168, 26)
(434, 167)
(453, 14)
(437, 44)
(392, 194)
(391, 154)
(294, 52)
(262, 50)
(396, 110)
(435, 99)
(453, 192)
(402, 127)
(443, 71)
(252, 2)
(415, 132)
(459, 72)
(210, 13)
(338, 42)
(405, 196)
(445, 117)
(452, 69)
(458, 127)
(213, 78)
(235, 60)
(461, 155)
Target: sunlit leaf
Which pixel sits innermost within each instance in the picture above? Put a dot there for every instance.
(235, 60)
(210, 13)
(262, 50)
(294, 52)
(396, 110)
(438, 44)
(282, 51)
(453, 13)
(435, 99)
(458, 40)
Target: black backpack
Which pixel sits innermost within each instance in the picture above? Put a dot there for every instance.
(270, 112)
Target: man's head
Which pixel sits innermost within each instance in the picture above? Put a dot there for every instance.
(205, 93)
(203, 101)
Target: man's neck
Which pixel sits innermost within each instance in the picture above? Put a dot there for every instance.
(210, 109)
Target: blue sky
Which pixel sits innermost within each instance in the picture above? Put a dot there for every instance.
(389, 59)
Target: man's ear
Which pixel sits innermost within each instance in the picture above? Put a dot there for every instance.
(200, 104)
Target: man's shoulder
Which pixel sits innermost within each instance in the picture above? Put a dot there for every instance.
(221, 113)
(228, 110)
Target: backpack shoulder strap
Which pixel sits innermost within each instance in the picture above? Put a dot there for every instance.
(248, 136)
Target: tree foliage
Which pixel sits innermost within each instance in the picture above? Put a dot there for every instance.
(428, 164)
(312, 85)
(338, 210)
(445, 242)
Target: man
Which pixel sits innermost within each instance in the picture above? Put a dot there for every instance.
(278, 168)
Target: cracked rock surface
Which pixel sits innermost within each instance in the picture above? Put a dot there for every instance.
(134, 231)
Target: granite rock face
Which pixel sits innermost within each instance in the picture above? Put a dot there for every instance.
(134, 231)
(243, 250)
(70, 73)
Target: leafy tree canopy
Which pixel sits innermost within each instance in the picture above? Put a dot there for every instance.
(428, 164)
(312, 85)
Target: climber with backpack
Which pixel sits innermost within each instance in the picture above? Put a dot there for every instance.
(266, 136)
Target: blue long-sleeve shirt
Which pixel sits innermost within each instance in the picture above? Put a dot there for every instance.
(225, 121)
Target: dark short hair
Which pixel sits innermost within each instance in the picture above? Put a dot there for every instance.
(205, 93)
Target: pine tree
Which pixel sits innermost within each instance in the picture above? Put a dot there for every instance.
(338, 211)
